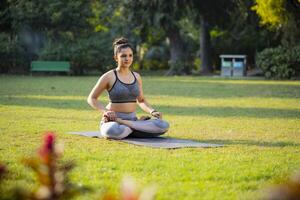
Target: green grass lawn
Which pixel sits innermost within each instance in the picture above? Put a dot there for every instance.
(257, 120)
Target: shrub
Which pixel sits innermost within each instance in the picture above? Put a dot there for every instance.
(279, 62)
(85, 53)
(156, 59)
(13, 58)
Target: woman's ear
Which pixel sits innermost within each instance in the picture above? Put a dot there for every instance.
(115, 58)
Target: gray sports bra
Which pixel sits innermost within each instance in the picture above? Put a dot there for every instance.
(123, 92)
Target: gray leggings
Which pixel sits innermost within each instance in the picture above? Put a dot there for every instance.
(140, 128)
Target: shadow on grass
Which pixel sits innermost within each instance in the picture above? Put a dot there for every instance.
(251, 143)
(222, 112)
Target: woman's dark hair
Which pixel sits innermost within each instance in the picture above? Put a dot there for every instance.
(121, 43)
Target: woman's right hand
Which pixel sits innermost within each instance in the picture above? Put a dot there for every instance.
(109, 116)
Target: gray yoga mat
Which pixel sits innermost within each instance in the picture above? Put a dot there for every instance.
(155, 142)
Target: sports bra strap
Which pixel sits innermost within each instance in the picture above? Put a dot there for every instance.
(115, 72)
(133, 74)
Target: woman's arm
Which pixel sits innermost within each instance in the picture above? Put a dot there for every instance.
(100, 86)
(143, 103)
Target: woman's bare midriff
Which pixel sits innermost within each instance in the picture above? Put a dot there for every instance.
(122, 107)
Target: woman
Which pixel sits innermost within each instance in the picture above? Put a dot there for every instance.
(125, 92)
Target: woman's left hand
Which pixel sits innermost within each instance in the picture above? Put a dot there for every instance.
(156, 114)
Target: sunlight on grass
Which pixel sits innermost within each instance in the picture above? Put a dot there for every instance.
(45, 97)
(236, 81)
(290, 103)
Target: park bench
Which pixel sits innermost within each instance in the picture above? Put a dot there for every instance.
(50, 66)
(233, 65)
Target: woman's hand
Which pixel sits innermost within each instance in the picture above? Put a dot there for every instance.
(156, 114)
(109, 116)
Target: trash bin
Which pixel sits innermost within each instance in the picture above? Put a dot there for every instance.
(233, 65)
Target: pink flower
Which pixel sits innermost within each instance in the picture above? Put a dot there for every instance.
(3, 170)
(47, 149)
(49, 140)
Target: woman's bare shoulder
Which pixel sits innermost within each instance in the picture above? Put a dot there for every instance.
(137, 75)
(108, 75)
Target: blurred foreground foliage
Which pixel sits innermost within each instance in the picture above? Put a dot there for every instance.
(53, 182)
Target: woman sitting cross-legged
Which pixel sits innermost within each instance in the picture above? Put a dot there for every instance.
(125, 93)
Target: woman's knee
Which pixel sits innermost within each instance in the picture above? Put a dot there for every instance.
(163, 125)
(113, 130)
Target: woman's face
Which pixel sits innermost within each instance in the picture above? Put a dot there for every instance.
(124, 57)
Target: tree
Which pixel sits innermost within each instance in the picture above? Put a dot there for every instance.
(160, 15)
(208, 14)
(242, 34)
(6, 37)
(59, 30)
(281, 15)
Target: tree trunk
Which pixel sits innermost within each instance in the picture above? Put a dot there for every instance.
(176, 51)
(205, 48)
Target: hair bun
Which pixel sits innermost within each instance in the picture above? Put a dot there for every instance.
(120, 41)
